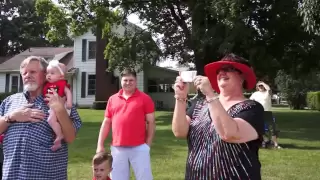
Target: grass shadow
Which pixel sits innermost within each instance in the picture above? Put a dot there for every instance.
(298, 125)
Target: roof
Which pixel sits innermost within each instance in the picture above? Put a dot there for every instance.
(65, 54)
(4, 58)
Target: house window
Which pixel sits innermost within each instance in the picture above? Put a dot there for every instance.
(157, 86)
(91, 50)
(14, 85)
(91, 87)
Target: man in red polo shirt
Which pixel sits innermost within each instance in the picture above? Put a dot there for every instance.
(130, 114)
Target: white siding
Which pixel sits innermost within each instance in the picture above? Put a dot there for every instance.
(90, 68)
(2, 82)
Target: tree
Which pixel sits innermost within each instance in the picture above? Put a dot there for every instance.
(113, 51)
(21, 27)
(310, 11)
(268, 33)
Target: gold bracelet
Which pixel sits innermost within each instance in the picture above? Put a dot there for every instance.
(212, 99)
(180, 99)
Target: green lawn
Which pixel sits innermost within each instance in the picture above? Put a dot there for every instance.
(300, 159)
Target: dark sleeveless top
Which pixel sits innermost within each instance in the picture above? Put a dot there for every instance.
(211, 158)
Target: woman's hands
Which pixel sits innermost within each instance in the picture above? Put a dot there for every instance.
(181, 89)
(203, 84)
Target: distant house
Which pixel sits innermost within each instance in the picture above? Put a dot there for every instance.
(154, 80)
(80, 60)
(10, 79)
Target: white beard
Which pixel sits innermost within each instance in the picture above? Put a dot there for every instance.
(30, 87)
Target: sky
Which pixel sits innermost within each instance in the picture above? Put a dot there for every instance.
(133, 18)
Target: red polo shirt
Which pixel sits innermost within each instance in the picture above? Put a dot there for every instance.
(128, 118)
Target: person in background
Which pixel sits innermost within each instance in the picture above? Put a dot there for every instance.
(130, 114)
(223, 131)
(28, 136)
(102, 166)
(263, 96)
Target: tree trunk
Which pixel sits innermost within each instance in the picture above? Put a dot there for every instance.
(104, 86)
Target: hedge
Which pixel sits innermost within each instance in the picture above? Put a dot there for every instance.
(4, 95)
(313, 100)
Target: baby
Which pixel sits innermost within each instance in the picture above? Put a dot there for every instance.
(102, 166)
(56, 81)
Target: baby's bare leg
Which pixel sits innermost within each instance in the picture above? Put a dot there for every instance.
(53, 122)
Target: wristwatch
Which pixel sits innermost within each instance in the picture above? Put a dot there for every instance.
(7, 119)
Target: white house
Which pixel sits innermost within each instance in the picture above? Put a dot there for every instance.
(154, 80)
(80, 60)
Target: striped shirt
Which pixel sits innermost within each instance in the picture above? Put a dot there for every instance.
(210, 158)
(26, 146)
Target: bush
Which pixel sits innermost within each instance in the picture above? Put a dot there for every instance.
(247, 95)
(4, 95)
(295, 89)
(313, 100)
(99, 105)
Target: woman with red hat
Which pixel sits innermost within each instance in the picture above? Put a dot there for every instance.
(224, 131)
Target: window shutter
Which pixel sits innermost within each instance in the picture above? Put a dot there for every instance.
(84, 50)
(21, 84)
(83, 84)
(7, 85)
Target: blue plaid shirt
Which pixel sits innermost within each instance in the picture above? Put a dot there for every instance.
(26, 146)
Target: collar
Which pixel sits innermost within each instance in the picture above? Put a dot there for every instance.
(27, 95)
(136, 93)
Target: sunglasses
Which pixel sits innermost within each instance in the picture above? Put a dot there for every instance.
(228, 68)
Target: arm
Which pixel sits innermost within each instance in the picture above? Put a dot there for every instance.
(150, 119)
(151, 128)
(68, 94)
(180, 120)
(3, 125)
(105, 126)
(104, 131)
(236, 130)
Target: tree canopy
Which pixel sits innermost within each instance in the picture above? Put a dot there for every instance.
(268, 33)
(21, 28)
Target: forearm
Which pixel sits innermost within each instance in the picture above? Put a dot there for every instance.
(151, 127)
(225, 126)
(68, 130)
(104, 131)
(180, 125)
(3, 125)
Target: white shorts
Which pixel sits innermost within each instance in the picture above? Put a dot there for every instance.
(137, 156)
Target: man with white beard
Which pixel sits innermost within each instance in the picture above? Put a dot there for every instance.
(27, 135)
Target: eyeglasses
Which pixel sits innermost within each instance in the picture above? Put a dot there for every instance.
(228, 68)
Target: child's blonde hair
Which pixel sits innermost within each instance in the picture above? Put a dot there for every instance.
(102, 157)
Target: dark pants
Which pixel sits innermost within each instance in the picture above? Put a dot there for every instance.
(270, 124)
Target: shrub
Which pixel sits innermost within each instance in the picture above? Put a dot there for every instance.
(295, 89)
(4, 95)
(99, 105)
(313, 100)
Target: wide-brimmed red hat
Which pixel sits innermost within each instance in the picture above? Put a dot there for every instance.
(211, 72)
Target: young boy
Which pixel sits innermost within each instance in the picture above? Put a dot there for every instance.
(102, 166)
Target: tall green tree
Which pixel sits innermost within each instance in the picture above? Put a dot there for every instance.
(113, 50)
(310, 11)
(268, 33)
(21, 27)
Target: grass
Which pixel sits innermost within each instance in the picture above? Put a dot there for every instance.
(300, 158)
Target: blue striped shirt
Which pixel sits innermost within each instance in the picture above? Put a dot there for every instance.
(26, 146)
